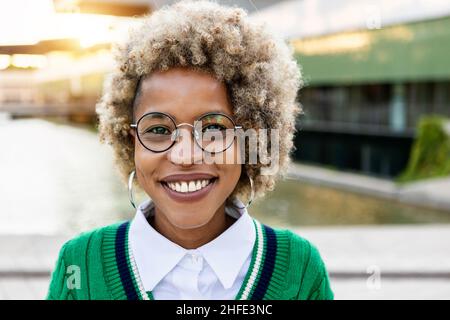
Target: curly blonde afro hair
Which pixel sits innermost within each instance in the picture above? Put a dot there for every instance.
(260, 73)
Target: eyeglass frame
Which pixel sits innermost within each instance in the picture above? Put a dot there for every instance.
(193, 131)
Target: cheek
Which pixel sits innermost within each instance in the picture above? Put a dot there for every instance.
(232, 154)
(146, 164)
(231, 169)
(230, 177)
(237, 154)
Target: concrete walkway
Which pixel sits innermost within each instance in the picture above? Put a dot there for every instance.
(431, 193)
(25, 264)
(385, 262)
(364, 262)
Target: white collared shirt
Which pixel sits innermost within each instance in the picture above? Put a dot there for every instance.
(216, 270)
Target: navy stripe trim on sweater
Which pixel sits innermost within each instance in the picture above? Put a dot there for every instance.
(269, 264)
(122, 263)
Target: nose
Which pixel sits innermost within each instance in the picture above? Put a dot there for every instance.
(185, 151)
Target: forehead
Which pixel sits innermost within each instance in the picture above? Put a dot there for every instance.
(185, 94)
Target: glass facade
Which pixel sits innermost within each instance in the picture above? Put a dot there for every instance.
(374, 107)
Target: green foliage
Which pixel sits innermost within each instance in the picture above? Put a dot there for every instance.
(430, 153)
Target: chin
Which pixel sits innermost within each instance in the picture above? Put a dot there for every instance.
(190, 221)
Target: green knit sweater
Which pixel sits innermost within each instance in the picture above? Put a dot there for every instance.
(97, 265)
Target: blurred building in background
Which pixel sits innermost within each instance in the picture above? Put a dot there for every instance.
(371, 71)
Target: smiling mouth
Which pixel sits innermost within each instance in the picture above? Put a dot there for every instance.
(187, 187)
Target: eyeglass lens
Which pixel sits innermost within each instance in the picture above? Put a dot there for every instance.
(212, 132)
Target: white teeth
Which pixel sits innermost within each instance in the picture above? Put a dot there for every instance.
(190, 186)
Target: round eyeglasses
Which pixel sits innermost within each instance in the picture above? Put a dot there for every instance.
(213, 132)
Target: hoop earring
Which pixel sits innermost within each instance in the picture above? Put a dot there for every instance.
(130, 188)
(252, 194)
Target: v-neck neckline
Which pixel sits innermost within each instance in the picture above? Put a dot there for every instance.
(123, 279)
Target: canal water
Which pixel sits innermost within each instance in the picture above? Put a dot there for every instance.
(56, 178)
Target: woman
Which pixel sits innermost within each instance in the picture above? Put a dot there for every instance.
(189, 81)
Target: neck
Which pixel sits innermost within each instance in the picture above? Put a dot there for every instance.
(196, 237)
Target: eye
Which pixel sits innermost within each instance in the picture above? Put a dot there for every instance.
(213, 127)
(158, 130)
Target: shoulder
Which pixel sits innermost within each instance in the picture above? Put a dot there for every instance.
(300, 247)
(305, 248)
(306, 267)
(78, 246)
(78, 267)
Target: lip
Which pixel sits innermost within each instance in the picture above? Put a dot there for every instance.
(189, 196)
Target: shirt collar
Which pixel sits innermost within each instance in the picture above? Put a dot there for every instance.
(156, 256)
